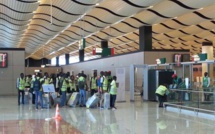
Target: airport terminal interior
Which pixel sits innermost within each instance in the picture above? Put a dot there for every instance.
(107, 66)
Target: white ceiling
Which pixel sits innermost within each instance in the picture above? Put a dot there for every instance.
(49, 28)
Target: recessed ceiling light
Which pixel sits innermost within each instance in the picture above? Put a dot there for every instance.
(97, 4)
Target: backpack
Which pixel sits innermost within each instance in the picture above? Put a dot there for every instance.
(37, 85)
(81, 84)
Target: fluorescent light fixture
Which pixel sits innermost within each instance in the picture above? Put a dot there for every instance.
(48, 41)
(52, 53)
(61, 48)
(55, 36)
(43, 66)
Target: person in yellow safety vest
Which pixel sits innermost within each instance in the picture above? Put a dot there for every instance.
(63, 90)
(68, 78)
(82, 92)
(32, 90)
(93, 84)
(161, 93)
(37, 82)
(109, 79)
(21, 87)
(105, 82)
(28, 81)
(113, 93)
(72, 84)
(104, 88)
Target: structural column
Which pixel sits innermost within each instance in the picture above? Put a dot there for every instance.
(57, 61)
(81, 55)
(145, 38)
(67, 59)
(104, 46)
(207, 47)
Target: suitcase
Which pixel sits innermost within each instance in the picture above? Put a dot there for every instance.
(73, 100)
(106, 104)
(68, 95)
(46, 101)
(92, 101)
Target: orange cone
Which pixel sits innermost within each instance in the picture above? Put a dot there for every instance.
(57, 125)
(57, 113)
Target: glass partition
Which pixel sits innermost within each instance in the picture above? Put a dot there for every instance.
(198, 99)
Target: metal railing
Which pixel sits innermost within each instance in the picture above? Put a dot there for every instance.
(202, 99)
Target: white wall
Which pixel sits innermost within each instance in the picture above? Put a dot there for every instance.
(8, 76)
(49, 70)
(150, 58)
(107, 64)
(111, 63)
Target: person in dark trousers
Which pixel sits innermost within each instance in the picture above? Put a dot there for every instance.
(161, 94)
(37, 84)
(109, 79)
(113, 93)
(205, 86)
(68, 78)
(72, 84)
(93, 84)
(32, 90)
(21, 87)
(63, 88)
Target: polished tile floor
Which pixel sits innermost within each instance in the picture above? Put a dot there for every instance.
(129, 118)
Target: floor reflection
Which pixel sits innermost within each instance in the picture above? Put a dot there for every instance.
(37, 126)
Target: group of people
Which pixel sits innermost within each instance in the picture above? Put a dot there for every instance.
(65, 83)
(162, 91)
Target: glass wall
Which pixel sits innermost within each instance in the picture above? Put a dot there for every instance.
(62, 60)
(53, 61)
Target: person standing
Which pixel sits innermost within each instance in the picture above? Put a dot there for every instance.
(205, 86)
(38, 92)
(63, 89)
(72, 84)
(113, 93)
(109, 80)
(32, 89)
(81, 85)
(21, 87)
(176, 80)
(93, 84)
(68, 79)
(161, 94)
(105, 82)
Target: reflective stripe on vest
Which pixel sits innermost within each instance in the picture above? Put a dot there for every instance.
(21, 84)
(93, 83)
(64, 86)
(105, 84)
(71, 84)
(161, 90)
